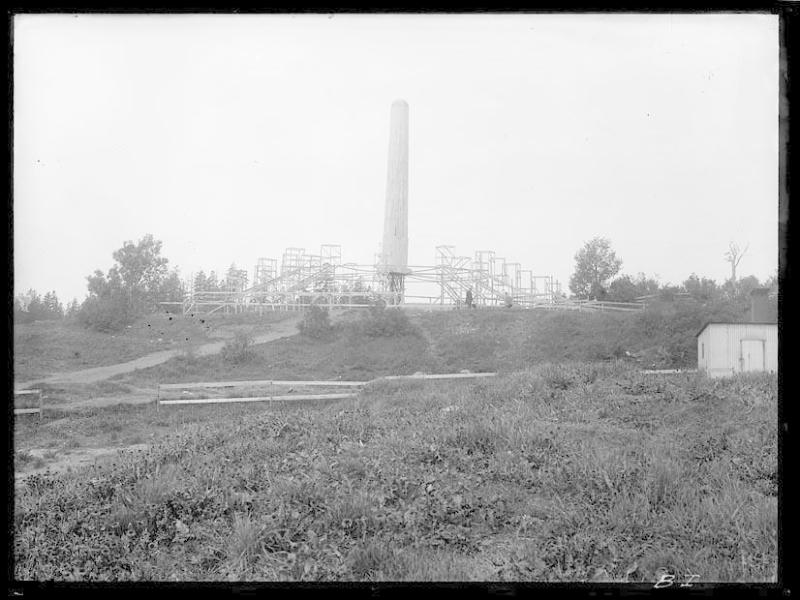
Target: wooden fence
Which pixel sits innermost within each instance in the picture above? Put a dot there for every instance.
(28, 411)
(272, 384)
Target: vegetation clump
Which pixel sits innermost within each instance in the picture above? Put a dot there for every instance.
(380, 321)
(238, 350)
(316, 323)
(133, 287)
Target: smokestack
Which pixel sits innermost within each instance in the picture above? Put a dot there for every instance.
(395, 222)
(759, 306)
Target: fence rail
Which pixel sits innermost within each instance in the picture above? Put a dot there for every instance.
(258, 399)
(30, 410)
(254, 383)
(436, 376)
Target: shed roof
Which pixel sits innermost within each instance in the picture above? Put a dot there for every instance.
(703, 328)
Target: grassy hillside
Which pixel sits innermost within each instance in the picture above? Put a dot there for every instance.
(297, 358)
(663, 336)
(485, 340)
(572, 472)
(43, 348)
(441, 342)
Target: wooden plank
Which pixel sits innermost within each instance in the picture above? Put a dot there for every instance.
(223, 384)
(438, 376)
(258, 399)
(26, 392)
(26, 411)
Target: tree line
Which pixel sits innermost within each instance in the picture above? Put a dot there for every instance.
(31, 306)
(596, 277)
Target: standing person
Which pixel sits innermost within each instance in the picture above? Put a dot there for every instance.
(508, 300)
(468, 299)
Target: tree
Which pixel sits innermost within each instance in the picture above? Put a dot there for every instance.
(235, 279)
(212, 283)
(131, 287)
(200, 282)
(171, 288)
(36, 308)
(21, 304)
(733, 256)
(627, 289)
(142, 269)
(53, 307)
(595, 264)
(701, 289)
(746, 285)
(72, 309)
(772, 282)
(30, 306)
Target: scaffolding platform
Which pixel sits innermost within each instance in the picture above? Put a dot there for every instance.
(323, 279)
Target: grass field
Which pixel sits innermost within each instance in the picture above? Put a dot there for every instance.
(590, 472)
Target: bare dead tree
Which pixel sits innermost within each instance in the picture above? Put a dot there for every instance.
(733, 256)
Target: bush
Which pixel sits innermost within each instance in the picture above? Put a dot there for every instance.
(380, 322)
(664, 333)
(316, 322)
(238, 350)
(106, 314)
(187, 356)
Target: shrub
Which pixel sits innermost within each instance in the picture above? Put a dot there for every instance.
(382, 322)
(188, 355)
(106, 314)
(316, 322)
(558, 377)
(238, 350)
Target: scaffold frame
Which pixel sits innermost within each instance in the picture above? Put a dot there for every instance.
(323, 279)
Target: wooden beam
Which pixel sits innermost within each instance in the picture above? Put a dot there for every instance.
(257, 399)
(437, 376)
(233, 384)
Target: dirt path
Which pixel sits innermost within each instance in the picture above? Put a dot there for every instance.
(281, 329)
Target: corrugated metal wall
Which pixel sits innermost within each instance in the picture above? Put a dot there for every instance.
(722, 345)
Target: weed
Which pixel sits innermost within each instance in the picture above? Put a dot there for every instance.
(125, 517)
(244, 540)
(380, 321)
(557, 377)
(373, 560)
(239, 349)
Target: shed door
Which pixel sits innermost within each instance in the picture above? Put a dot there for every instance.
(752, 355)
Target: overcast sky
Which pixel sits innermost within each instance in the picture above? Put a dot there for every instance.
(231, 137)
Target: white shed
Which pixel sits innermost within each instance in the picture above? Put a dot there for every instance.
(725, 349)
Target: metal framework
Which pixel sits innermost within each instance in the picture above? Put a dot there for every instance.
(304, 279)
